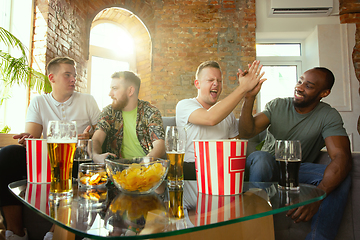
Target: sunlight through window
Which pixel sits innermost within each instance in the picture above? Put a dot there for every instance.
(281, 83)
(101, 71)
(281, 64)
(111, 50)
(111, 36)
(278, 49)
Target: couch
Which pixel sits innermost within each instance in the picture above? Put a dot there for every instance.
(285, 228)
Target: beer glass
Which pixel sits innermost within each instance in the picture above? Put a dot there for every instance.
(176, 208)
(175, 144)
(288, 156)
(83, 154)
(61, 143)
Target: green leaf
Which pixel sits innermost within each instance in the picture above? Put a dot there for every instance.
(10, 40)
(6, 129)
(16, 70)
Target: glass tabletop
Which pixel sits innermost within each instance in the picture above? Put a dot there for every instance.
(100, 213)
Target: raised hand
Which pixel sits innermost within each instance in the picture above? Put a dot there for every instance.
(251, 79)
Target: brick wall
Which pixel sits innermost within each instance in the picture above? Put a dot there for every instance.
(350, 13)
(183, 34)
(190, 32)
(58, 31)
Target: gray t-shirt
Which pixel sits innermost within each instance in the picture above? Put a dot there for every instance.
(310, 128)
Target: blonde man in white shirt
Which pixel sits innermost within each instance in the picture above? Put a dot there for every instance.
(61, 104)
(207, 118)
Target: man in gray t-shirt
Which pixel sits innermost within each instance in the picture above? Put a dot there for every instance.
(310, 128)
(304, 117)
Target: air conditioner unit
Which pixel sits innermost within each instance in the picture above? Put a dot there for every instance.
(300, 8)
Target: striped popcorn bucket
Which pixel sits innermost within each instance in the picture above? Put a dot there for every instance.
(37, 195)
(37, 161)
(213, 209)
(220, 166)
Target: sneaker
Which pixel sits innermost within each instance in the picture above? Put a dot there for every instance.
(48, 236)
(9, 235)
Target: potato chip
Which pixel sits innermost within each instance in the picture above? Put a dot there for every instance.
(140, 178)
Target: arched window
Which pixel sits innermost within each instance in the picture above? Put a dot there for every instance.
(111, 50)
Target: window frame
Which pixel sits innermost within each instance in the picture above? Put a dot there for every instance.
(107, 53)
(280, 61)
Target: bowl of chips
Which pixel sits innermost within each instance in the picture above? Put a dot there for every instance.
(92, 175)
(140, 175)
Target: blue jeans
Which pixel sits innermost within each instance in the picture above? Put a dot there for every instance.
(262, 167)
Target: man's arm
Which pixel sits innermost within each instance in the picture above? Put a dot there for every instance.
(338, 148)
(32, 130)
(159, 149)
(98, 140)
(339, 151)
(223, 108)
(250, 125)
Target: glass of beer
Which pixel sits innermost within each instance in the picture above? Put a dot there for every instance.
(61, 143)
(288, 156)
(175, 143)
(83, 154)
(176, 208)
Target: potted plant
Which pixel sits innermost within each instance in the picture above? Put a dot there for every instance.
(17, 70)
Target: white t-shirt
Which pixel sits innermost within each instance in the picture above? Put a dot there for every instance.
(80, 107)
(226, 129)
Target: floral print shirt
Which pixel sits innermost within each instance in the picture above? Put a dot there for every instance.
(149, 127)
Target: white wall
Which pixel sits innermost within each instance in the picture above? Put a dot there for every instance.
(289, 27)
(326, 43)
(311, 50)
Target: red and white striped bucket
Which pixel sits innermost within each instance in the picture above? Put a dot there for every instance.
(220, 166)
(37, 195)
(37, 161)
(213, 209)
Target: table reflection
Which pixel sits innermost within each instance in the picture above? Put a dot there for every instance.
(104, 212)
(128, 214)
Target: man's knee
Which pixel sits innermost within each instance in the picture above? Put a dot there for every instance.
(261, 166)
(259, 157)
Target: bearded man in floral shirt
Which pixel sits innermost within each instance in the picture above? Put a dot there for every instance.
(130, 127)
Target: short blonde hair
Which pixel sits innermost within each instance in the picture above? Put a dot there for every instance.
(53, 65)
(212, 64)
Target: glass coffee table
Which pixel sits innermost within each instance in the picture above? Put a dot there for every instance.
(108, 213)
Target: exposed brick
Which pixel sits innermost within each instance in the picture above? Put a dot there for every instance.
(183, 34)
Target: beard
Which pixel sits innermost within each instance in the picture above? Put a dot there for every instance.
(305, 102)
(120, 104)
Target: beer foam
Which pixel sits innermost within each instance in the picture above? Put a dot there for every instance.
(175, 152)
(62, 140)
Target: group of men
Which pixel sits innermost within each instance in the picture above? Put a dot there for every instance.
(131, 127)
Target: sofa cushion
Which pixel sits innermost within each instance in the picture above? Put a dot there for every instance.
(168, 121)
